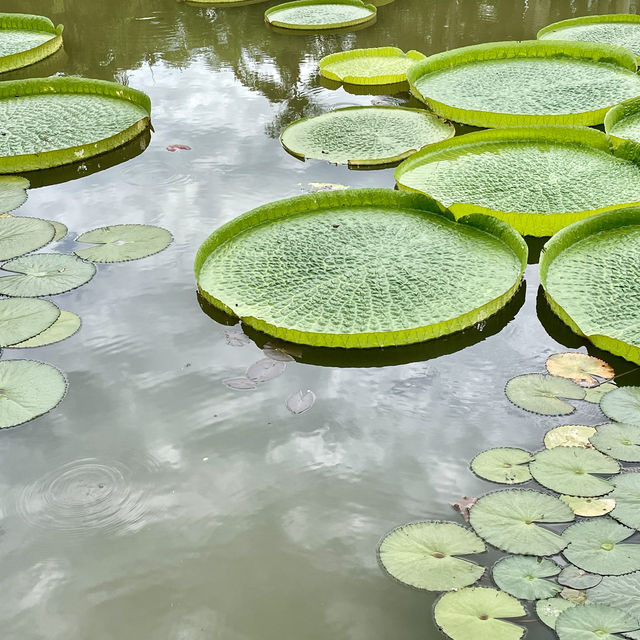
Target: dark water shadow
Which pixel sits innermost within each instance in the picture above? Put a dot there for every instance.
(535, 246)
(385, 356)
(316, 32)
(365, 89)
(224, 5)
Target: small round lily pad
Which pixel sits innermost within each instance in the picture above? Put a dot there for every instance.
(594, 621)
(618, 440)
(622, 592)
(505, 465)
(569, 435)
(627, 496)
(523, 577)
(543, 394)
(622, 405)
(64, 327)
(589, 507)
(123, 242)
(24, 318)
(576, 578)
(13, 192)
(548, 610)
(580, 368)
(422, 555)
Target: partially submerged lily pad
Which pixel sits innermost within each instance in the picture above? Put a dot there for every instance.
(594, 621)
(503, 464)
(569, 435)
(548, 610)
(123, 242)
(618, 440)
(622, 405)
(23, 235)
(589, 507)
(507, 520)
(543, 394)
(423, 555)
(24, 318)
(576, 578)
(627, 496)
(320, 14)
(523, 577)
(582, 369)
(365, 135)
(475, 612)
(622, 592)
(64, 327)
(577, 596)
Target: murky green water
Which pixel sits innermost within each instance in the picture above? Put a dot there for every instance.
(157, 503)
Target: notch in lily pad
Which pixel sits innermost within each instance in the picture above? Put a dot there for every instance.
(543, 394)
(583, 369)
(524, 577)
(505, 465)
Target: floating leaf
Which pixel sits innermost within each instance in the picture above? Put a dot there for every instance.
(474, 612)
(577, 596)
(580, 368)
(64, 327)
(236, 338)
(618, 440)
(123, 242)
(301, 401)
(45, 274)
(589, 507)
(23, 235)
(595, 394)
(28, 389)
(523, 577)
(503, 464)
(622, 592)
(576, 578)
(24, 318)
(320, 14)
(594, 621)
(506, 519)
(60, 230)
(570, 470)
(594, 545)
(276, 353)
(463, 505)
(13, 192)
(622, 405)
(627, 496)
(265, 370)
(423, 555)
(178, 147)
(549, 610)
(569, 435)
(240, 383)
(542, 394)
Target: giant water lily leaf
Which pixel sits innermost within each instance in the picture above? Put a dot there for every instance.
(589, 277)
(364, 136)
(627, 496)
(569, 435)
(53, 121)
(23, 235)
(589, 507)
(508, 520)
(576, 578)
(25, 39)
(423, 555)
(320, 14)
(548, 610)
(475, 612)
(13, 192)
(555, 175)
(595, 394)
(64, 327)
(622, 405)
(543, 394)
(523, 577)
(594, 621)
(595, 546)
(503, 464)
(524, 83)
(366, 268)
(45, 274)
(623, 121)
(28, 389)
(123, 242)
(24, 318)
(377, 66)
(580, 368)
(622, 592)
(572, 470)
(618, 440)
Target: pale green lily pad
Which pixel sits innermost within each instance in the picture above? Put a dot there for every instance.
(576, 578)
(569, 435)
(28, 389)
(618, 440)
(24, 318)
(320, 14)
(589, 507)
(594, 621)
(549, 610)
(627, 496)
(64, 327)
(61, 230)
(622, 592)
(583, 369)
(123, 242)
(23, 235)
(523, 577)
(503, 464)
(595, 546)
(45, 274)
(507, 520)
(622, 405)
(354, 263)
(540, 393)
(475, 612)
(13, 192)
(422, 555)
(595, 394)
(571, 470)
(364, 136)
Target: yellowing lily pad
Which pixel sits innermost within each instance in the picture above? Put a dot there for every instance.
(583, 369)
(589, 507)
(569, 435)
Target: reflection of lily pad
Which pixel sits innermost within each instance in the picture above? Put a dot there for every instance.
(24, 318)
(64, 327)
(622, 405)
(595, 394)
(320, 14)
(594, 621)
(549, 610)
(618, 440)
(569, 435)
(13, 192)
(542, 394)
(23, 235)
(580, 368)
(503, 464)
(507, 520)
(523, 577)
(576, 578)
(622, 592)
(627, 496)
(475, 612)
(589, 507)
(572, 470)
(422, 555)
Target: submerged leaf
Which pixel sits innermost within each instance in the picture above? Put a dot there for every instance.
(622, 405)
(627, 496)
(549, 610)
(503, 464)
(277, 353)
(301, 401)
(178, 147)
(61, 230)
(265, 370)
(463, 505)
(240, 383)
(23, 235)
(622, 592)
(236, 338)
(24, 318)
(13, 192)
(577, 596)
(523, 577)
(580, 368)
(594, 621)
(618, 440)
(320, 14)
(589, 507)
(542, 394)
(64, 327)
(576, 578)
(569, 435)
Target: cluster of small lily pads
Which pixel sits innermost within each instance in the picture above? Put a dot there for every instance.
(584, 581)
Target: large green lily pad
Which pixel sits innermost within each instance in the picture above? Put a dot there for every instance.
(594, 621)
(622, 405)
(548, 610)
(475, 612)
(589, 277)
(320, 14)
(13, 192)
(622, 592)
(618, 440)
(508, 520)
(24, 318)
(569, 435)
(538, 179)
(627, 496)
(366, 268)
(543, 394)
(46, 122)
(423, 555)
(524, 577)
(23, 235)
(364, 136)
(64, 327)
(502, 84)
(505, 465)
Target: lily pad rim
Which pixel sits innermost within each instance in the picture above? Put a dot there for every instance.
(373, 12)
(603, 18)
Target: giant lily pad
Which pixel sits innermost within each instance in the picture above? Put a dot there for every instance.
(627, 496)
(503, 464)
(24, 318)
(538, 179)
(580, 368)
(361, 136)
(572, 470)
(13, 192)
(543, 394)
(589, 276)
(64, 327)
(595, 546)
(46, 122)
(569, 435)
(622, 592)
(320, 14)
(523, 577)
(525, 83)
(25, 39)
(365, 268)
(623, 121)
(28, 389)
(596, 621)
(422, 555)
(618, 440)
(622, 405)
(548, 610)
(45, 274)
(507, 520)
(475, 612)
(23, 235)
(378, 66)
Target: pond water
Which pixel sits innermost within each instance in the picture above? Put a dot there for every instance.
(155, 502)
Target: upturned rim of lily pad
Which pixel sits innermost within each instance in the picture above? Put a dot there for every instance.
(373, 12)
